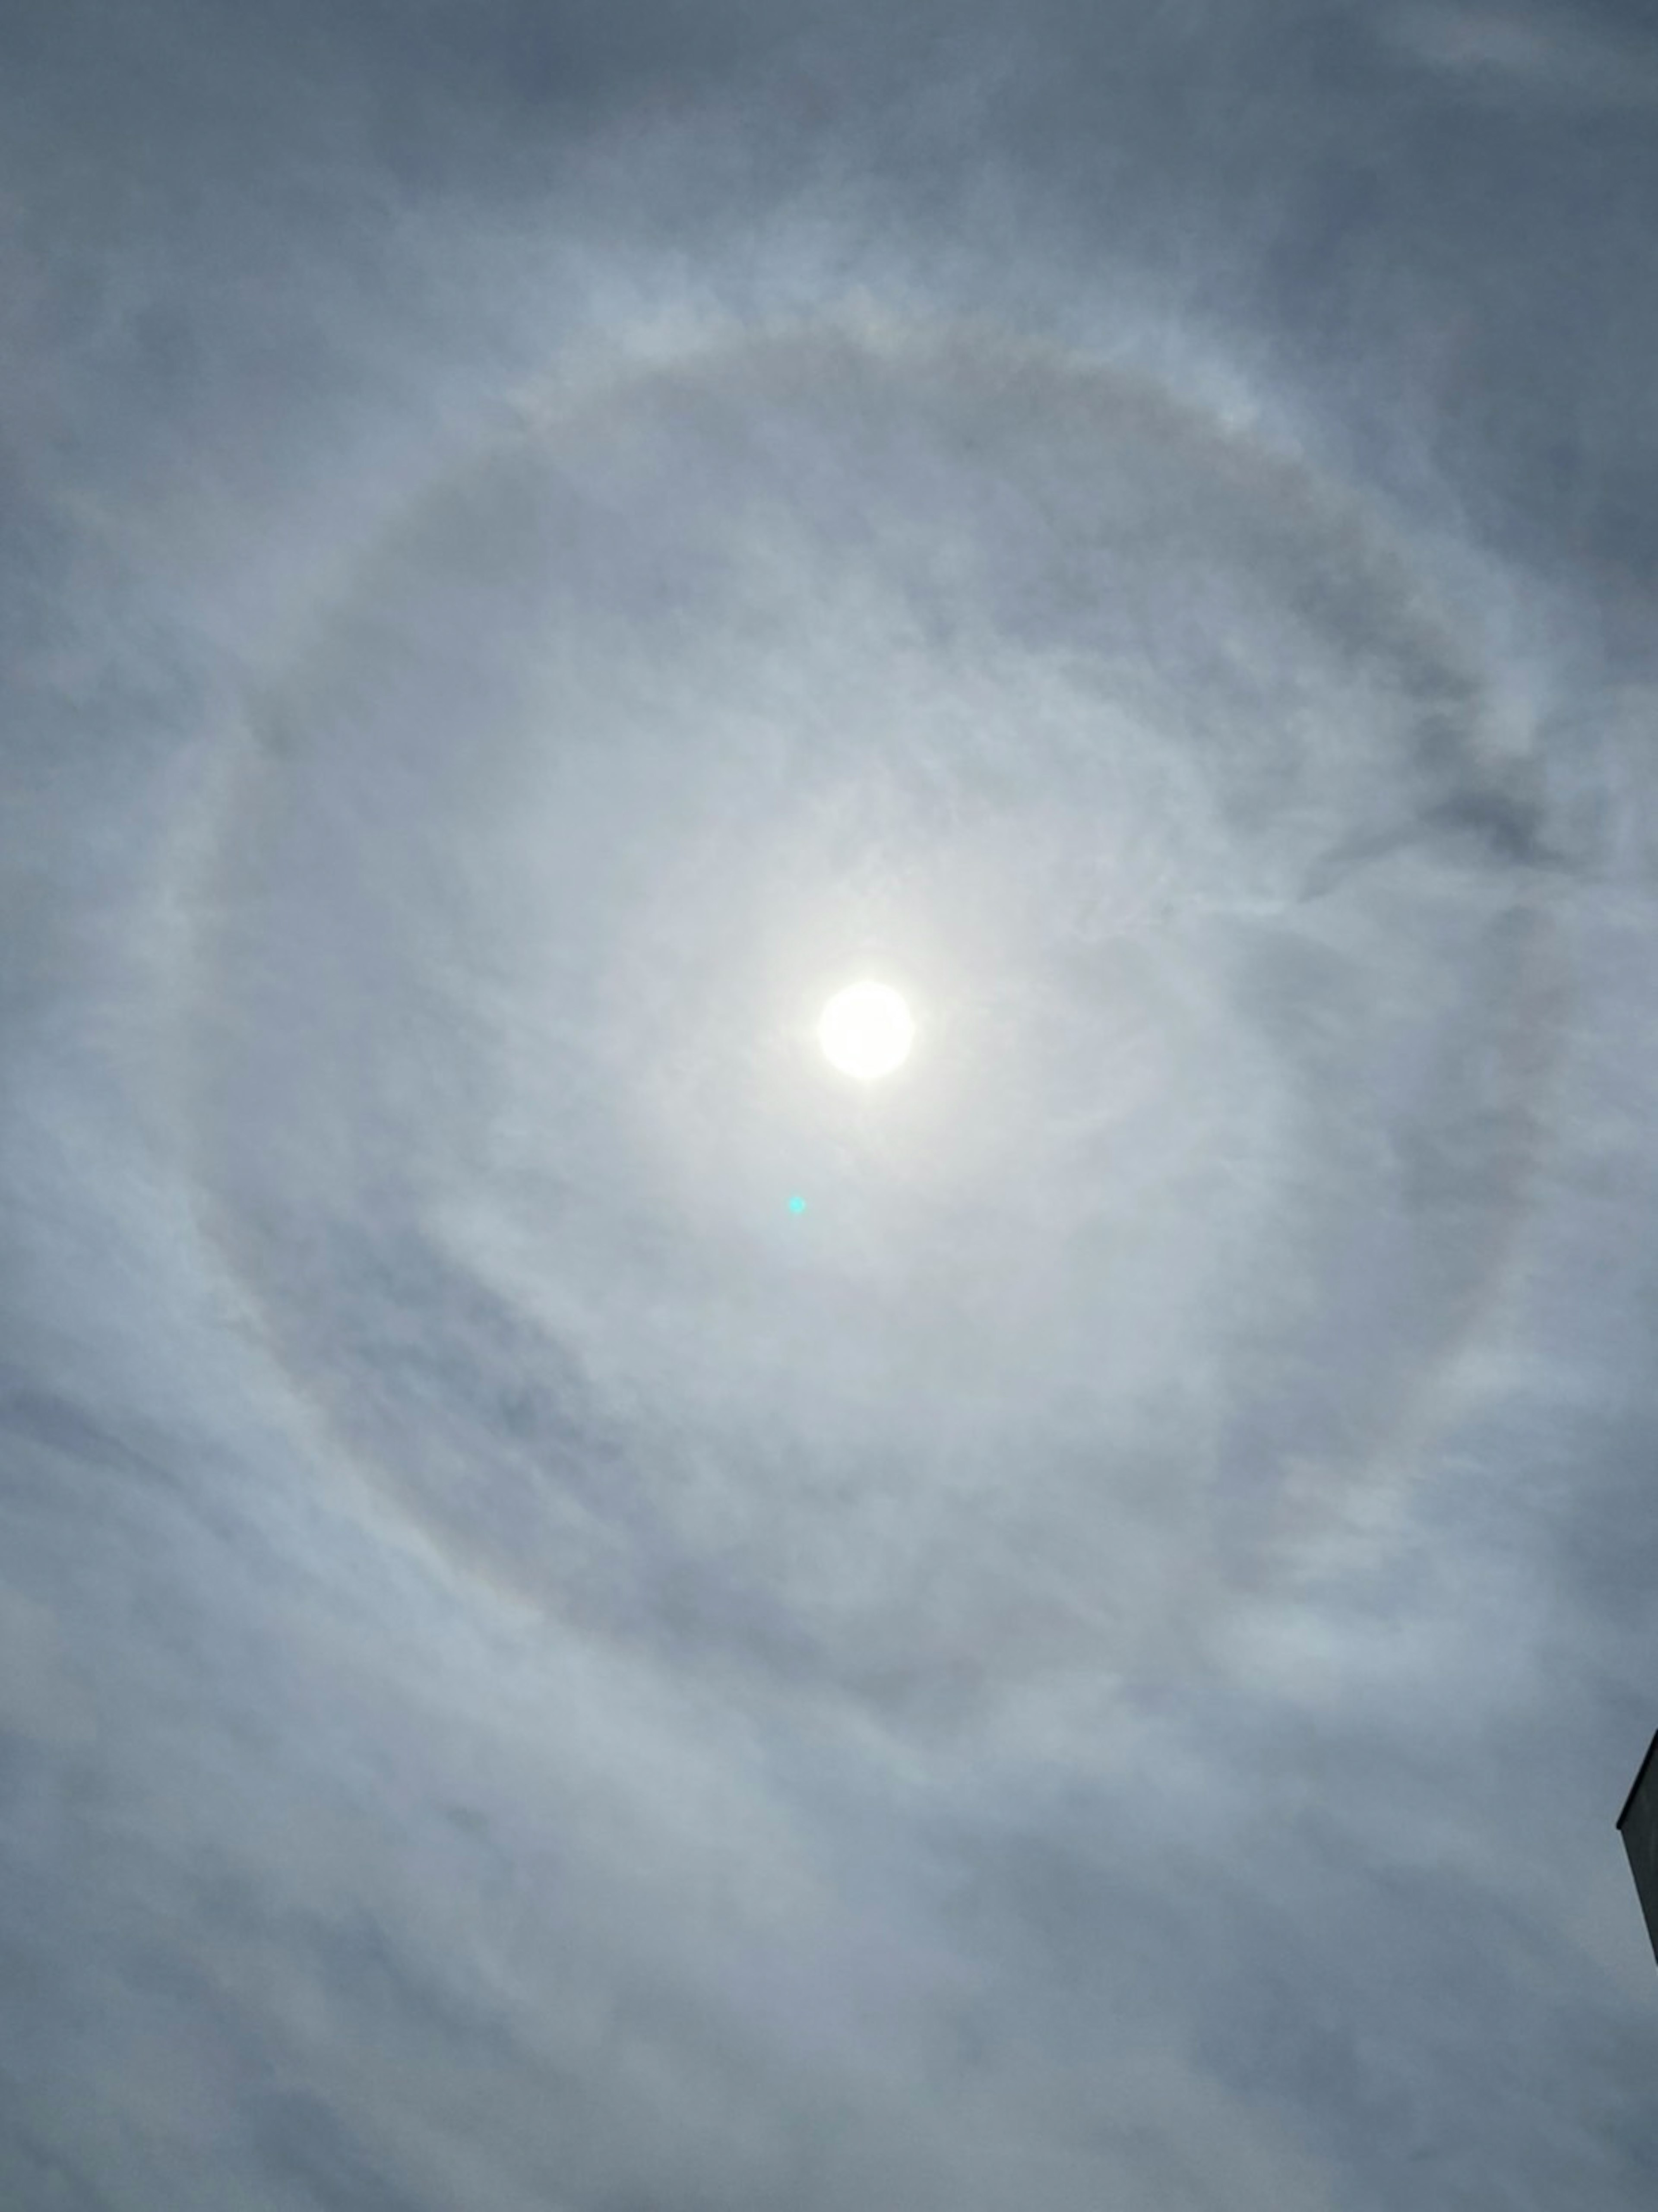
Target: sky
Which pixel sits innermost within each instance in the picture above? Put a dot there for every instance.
(597, 1618)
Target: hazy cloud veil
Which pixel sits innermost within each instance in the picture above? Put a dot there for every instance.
(1090, 1658)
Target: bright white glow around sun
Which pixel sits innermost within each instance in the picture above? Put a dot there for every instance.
(866, 1030)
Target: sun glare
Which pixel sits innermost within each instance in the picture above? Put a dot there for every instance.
(866, 1030)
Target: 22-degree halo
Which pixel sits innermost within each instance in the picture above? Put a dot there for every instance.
(1314, 578)
(866, 1030)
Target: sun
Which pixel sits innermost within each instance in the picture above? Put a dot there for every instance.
(866, 1030)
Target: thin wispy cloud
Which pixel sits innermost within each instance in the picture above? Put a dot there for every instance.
(1556, 56)
(595, 1613)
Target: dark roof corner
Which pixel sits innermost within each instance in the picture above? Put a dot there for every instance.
(1634, 1786)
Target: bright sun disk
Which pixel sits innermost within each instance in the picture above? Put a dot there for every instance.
(866, 1030)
